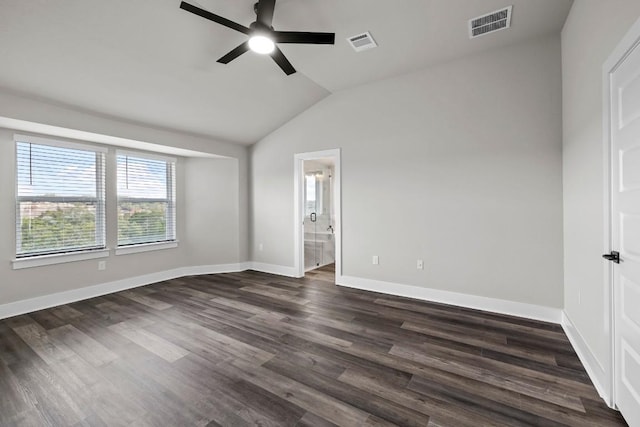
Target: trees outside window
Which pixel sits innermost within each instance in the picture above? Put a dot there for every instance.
(60, 204)
(146, 199)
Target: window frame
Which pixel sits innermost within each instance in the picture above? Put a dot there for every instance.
(33, 259)
(171, 201)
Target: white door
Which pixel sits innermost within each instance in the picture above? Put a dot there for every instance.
(625, 218)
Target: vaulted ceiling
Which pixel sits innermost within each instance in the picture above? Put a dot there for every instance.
(148, 61)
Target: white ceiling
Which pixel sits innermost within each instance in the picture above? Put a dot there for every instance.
(149, 61)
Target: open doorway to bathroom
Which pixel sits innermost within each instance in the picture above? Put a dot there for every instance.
(318, 223)
(318, 214)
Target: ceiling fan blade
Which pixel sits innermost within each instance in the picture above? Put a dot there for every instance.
(265, 12)
(303, 37)
(234, 53)
(213, 17)
(283, 62)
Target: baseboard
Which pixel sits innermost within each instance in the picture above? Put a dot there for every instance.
(512, 308)
(470, 301)
(66, 297)
(217, 269)
(594, 368)
(280, 270)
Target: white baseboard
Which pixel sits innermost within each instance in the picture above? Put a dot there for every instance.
(512, 308)
(592, 365)
(470, 301)
(66, 297)
(273, 269)
(216, 269)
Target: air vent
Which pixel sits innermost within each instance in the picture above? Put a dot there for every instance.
(492, 22)
(362, 42)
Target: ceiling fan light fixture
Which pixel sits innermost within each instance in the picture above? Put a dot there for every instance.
(261, 44)
(262, 36)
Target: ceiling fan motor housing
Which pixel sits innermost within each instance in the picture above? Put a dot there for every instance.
(257, 26)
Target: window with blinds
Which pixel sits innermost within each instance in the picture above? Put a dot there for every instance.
(146, 199)
(60, 203)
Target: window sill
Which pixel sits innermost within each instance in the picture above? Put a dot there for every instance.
(145, 247)
(39, 261)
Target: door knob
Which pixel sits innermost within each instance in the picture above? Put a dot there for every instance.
(613, 257)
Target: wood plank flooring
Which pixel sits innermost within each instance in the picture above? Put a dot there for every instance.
(256, 349)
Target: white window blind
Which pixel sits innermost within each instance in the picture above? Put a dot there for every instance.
(146, 199)
(60, 203)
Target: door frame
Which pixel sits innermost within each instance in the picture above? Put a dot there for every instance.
(630, 41)
(298, 198)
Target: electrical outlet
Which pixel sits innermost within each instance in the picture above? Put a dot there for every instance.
(376, 260)
(420, 264)
(260, 247)
(102, 265)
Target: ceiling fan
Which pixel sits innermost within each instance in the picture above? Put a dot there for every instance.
(262, 37)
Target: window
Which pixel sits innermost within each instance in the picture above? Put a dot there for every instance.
(146, 199)
(60, 203)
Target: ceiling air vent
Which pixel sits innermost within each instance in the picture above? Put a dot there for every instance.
(362, 42)
(494, 21)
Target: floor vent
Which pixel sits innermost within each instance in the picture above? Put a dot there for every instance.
(362, 42)
(489, 23)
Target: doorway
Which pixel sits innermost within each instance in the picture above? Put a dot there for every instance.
(317, 213)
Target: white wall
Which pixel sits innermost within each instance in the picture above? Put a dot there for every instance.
(212, 211)
(590, 34)
(212, 202)
(459, 165)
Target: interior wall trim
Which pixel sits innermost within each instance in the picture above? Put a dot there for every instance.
(594, 368)
(494, 305)
(280, 270)
(298, 209)
(529, 311)
(216, 269)
(66, 297)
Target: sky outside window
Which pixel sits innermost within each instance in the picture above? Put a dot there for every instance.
(142, 178)
(45, 170)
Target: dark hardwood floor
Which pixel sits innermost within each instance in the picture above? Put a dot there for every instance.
(256, 349)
